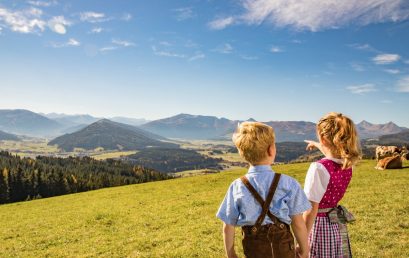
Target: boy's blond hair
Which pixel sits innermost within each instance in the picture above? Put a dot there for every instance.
(253, 139)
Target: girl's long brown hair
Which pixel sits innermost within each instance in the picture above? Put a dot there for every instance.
(340, 134)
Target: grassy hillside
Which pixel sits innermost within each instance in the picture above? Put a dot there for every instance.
(176, 218)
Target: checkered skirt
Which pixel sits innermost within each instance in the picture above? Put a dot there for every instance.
(325, 240)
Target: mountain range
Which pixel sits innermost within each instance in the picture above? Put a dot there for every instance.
(110, 136)
(182, 126)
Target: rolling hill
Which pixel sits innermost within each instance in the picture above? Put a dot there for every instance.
(187, 126)
(8, 136)
(25, 122)
(176, 218)
(110, 136)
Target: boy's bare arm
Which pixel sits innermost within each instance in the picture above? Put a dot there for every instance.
(228, 237)
(310, 215)
(300, 232)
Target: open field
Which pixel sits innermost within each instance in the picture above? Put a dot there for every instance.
(176, 218)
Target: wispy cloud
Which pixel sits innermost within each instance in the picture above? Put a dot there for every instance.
(123, 43)
(96, 30)
(197, 56)
(70, 43)
(24, 21)
(358, 67)
(221, 23)
(42, 3)
(403, 85)
(386, 101)
(392, 71)
(158, 52)
(225, 48)
(184, 13)
(110, 48)
(93, 17)
(297, 41)
(165, 43)
(383, 59)
(361, 89)
(58, 23)
(249, 58)
(364, 47)
(276, 49)
(126, 17)
(318, 15)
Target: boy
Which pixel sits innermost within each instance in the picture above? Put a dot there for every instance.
(262, 202)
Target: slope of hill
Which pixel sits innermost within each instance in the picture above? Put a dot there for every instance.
(25, 122)
(176, 218)
(172, 160)
(72, 120)
(187, 126)
(129, 121)
(110, 136)
(402, 138)
(8, 136)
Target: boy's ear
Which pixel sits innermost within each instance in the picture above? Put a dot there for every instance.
(271, 150)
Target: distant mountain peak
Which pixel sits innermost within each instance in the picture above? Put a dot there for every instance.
(251, 120)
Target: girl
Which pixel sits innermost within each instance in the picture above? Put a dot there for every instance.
(326, 183)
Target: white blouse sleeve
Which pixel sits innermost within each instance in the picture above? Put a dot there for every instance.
(316, 182)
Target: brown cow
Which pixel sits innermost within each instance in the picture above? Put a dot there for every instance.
(390, 162)
(386, 151)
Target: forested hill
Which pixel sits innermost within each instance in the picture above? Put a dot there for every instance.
(110, 136)
(24, 178)
(8, 136)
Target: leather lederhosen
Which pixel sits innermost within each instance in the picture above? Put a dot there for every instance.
(268, 241)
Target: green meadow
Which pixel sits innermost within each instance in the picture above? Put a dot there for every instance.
(176, 218)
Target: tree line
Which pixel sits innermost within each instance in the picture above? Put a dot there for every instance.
(25, 178)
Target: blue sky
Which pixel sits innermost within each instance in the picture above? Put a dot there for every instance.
(265, 59)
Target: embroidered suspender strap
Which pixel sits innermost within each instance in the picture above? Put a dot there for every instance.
(264, 204)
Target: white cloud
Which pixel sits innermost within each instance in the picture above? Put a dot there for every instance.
(158, 52)
(165, 43)
(126, 17)
(96, 30)
(70, 43)
(386, 59)
(317, 15)
(93, 17)
(42, 3)
(184, 13)
(358, 67)
(197, 56)
(221, 23)
(58, 23)
(249, 58)
(275, 49)
(297, 41)
(364, 47)
(123, 43)
(25, 21)
(392, 71)
(110, 48)
(403, 85)
(361, 89)
(226, 48)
